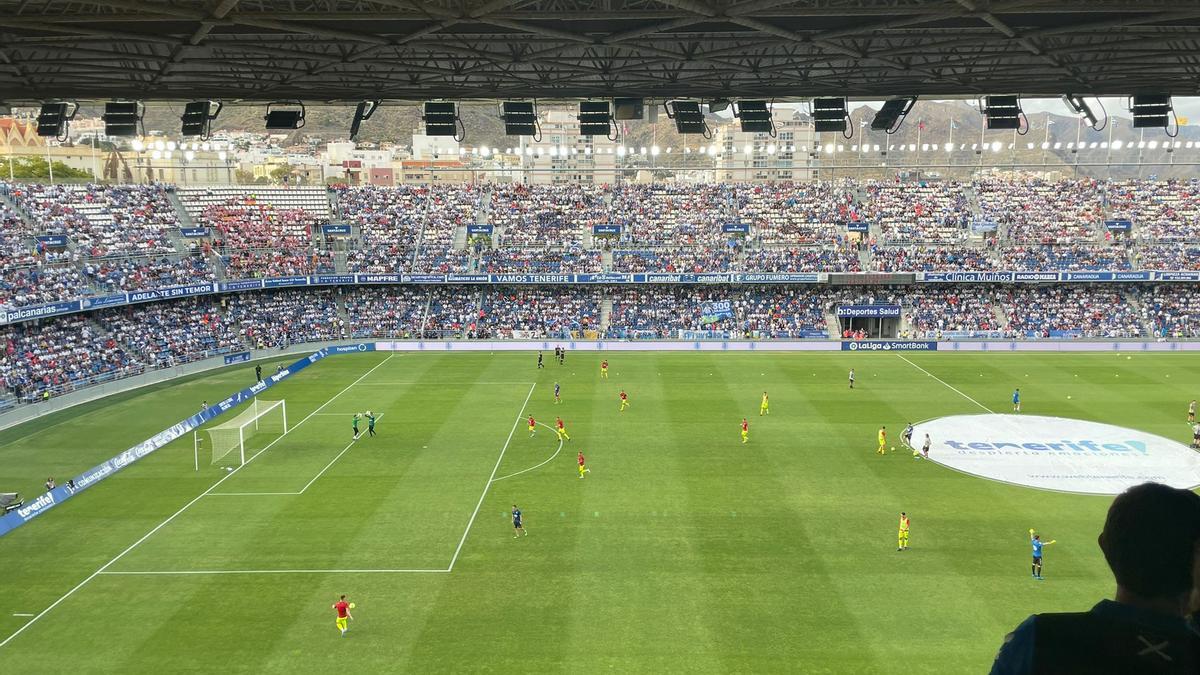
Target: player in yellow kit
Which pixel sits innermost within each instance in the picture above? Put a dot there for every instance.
(604, 369)
(624, 400)
(882, 441)
(560, 429)
(902, 543)
(764, 408)
(745, 430)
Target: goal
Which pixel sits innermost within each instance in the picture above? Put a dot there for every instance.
(230, 438)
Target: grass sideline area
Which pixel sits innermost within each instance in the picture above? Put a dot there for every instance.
(682, 551)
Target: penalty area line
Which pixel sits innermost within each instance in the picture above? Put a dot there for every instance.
(306, 485)
(185, 507)
(491, 478)
(550, 459)
(947, 384)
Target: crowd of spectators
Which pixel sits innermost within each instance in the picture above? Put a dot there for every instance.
(671, 214)
(663, 311)
(539, 312)
(1168, 257)
(59, 355)
(281, 318)
(528, 216)
(1066, 257)
(1038, 211)
(1167, 211)
(1069, 311)
(675, 260)
(1173, 311)
(389, 224)
(113, 275)
(386, 311)
(453, 312)
(775, 312)
(257, 239)
(169, 333)
(923, 212)
(931, 258)
(935, 311)
(575, 259)
(796, 214)
(800, 259)
(100, 220)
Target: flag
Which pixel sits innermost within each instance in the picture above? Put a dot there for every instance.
(1181, 120)
(921, 125)
(953, 124)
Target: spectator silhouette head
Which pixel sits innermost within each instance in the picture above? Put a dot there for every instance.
(1150, 541)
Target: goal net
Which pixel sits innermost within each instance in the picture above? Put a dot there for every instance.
(228, 440)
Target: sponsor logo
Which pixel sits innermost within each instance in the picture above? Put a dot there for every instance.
(869, 311)
(36, 506)
(858, 346)
(1035, 276)
(531, 278)
(237, 358)
(983, 277)
(1059, 446)
(1057, 453)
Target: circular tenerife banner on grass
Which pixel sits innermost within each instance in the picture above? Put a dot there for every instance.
(1056, 453)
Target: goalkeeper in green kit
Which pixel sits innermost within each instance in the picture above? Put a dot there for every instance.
(357, 416)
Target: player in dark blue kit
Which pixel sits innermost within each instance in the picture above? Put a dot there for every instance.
(1016, 400)
(518, 527)
(556, 392)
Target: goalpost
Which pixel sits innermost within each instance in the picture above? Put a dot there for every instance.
(268, 417)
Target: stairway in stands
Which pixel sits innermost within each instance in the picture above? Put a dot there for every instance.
(606, 308)
(864, 259)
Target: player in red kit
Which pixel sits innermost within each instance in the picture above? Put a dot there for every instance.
(583, 465)
(624, 400)
(343, 614)
(532, 426)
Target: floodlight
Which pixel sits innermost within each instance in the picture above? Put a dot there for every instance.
(520, 118)
(687, 116)
(121, 118)
(441, 118)
(54, 119)
(1002, 112)
(198, 117)
(595, 118)
(829, 114)
(755, 117)
(892, 114)
(291, 117)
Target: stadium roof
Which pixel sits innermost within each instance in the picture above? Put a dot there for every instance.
(343, 50)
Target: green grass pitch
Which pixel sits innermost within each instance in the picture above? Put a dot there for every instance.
(682, 551)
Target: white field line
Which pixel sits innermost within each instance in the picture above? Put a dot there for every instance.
(22, 614)
(313, 571)
(491, 478)
(436, 383)
(185, 507)
(946, 384)
(550, 459)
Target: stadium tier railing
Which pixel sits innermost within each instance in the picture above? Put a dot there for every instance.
(32, 312)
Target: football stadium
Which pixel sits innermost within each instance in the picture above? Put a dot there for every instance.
(635, 336)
